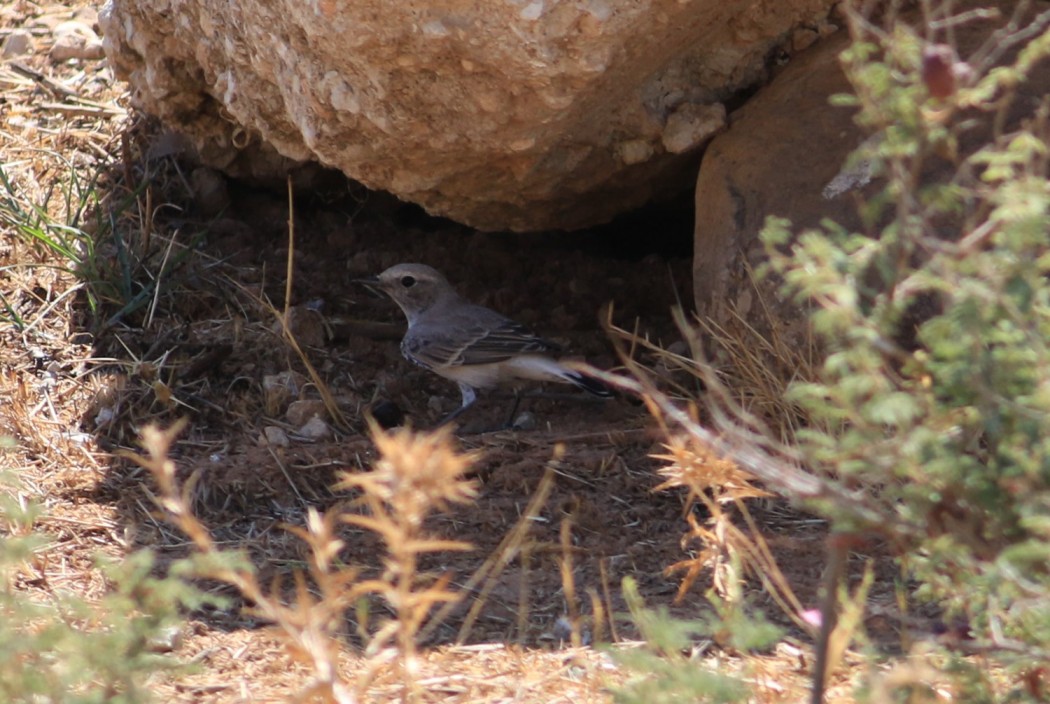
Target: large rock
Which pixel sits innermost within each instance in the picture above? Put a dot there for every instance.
(784, 154)
(509, 114)
(781, 151)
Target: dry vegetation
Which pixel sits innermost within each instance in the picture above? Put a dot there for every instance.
(152, 310)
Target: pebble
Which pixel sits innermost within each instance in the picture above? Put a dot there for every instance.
(299, 412)
(315, 429)
(88, 15)
(75, 40)
(278, 389)
(167, 640)
(305, 325)
(18, 43)
(275, 437)
(524, 421)
(209, 191)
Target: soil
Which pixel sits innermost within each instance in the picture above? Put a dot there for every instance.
(558, 284)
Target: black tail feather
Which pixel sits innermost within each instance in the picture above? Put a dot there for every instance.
(591, 385)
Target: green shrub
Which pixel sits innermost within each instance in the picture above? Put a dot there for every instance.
(934, 398)
(59, 647)
(662, 672)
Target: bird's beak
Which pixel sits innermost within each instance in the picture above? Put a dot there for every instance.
(371, 283)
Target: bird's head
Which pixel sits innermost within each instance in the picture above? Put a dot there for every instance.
(414, 287)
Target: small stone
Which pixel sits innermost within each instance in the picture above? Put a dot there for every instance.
(305, 325)
(75, 40)
(524, 421)
(315, 429)
(18, 43)
(105, 416)
(562, 631)
(275, 437)
(169, 143)
(679, 348)
(169, 639)
(435, 404)
(803, 38)
(88, 15)
(279, 388)
(299, 412)
(634, 151)
(209, 191)
(690, 125)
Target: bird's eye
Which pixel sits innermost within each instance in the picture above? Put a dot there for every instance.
(408, 281)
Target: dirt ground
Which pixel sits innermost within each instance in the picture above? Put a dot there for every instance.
(193, 333)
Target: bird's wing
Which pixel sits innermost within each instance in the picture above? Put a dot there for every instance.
(472, 342)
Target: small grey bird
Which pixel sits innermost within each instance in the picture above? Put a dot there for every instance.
(474, 346)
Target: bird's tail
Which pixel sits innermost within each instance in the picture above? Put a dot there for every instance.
(589, 384)
(542, 368)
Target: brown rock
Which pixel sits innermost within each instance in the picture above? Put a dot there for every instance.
(304, 324)
(520, 115)
(783, 155)
(17, 43)
(209, 191)
(315, 429)
(274, 437)
(279, 389)
(75, 40)
(782, 148)
(299, 412)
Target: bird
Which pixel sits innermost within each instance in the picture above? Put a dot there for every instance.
(472, 345)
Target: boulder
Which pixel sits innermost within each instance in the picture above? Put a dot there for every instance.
(782, 149)
(511, 114)
(784, 154)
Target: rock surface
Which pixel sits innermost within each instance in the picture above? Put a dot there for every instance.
(18, 43)
(520, 114)
(75, 40)
(781, 150)
(783, 155)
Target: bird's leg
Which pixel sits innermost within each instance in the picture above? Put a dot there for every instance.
(469, 397)
(509, 423)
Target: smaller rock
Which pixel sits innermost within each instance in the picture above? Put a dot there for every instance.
(278, 388)
(105, 416)
(275, 437)
(18, 43)
(209, 191)
(88, 15)
(691, 125)
(299, 412)
(315, 429)
(524, 421)
(167, 640)
(634, 151)
(169, 143)
(435, 404)
(803, 38)
(75, 40)
(305, 325)
(679, 347)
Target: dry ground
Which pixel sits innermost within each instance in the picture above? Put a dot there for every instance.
(183, 328)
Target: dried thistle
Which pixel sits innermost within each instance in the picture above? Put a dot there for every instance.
(417, 473)
(309, 626)
(703, 473)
